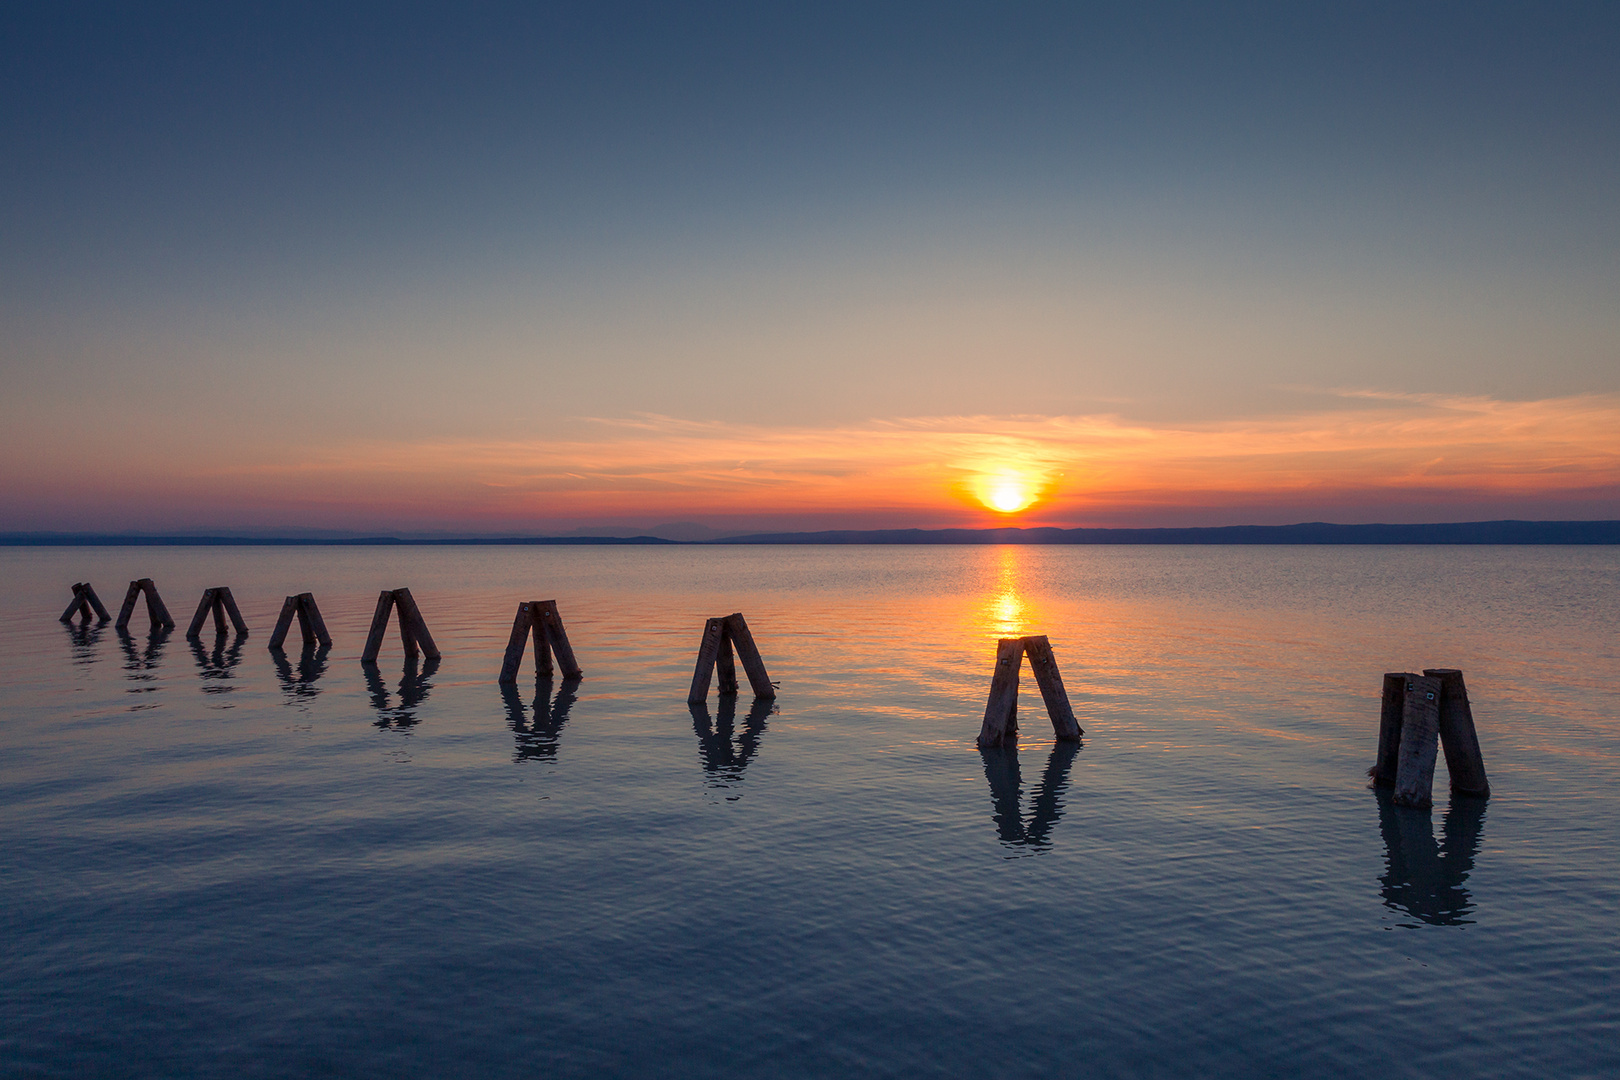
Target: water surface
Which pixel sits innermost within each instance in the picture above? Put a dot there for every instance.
(219, 861)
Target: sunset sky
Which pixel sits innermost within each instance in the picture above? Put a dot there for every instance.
(543, 268)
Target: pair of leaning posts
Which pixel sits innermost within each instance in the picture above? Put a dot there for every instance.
(1419, 711)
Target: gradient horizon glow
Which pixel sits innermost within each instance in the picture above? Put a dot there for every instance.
(548, 268)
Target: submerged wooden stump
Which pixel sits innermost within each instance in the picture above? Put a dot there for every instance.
(541, 620)
(155, 609)
(413, 631)
(219, 601)
(1001, 710)
(1419, 715)
(310, 624)
(720, 636)
(84, 601)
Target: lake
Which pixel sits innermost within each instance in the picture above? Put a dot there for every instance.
(216, 861)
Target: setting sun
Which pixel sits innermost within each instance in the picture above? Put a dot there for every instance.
(1006, 493)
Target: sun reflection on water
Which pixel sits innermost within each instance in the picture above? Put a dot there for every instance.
(1007, 611)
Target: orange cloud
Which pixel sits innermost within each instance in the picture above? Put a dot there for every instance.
(925, 470)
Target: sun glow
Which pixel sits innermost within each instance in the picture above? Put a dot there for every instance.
(1006, 493)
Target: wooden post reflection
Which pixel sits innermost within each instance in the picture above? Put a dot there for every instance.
(1006, 794)
(537, 727)
(1422, 878)
(414, 685)
(724, 759)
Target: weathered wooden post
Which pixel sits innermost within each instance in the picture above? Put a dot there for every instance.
(1420, 731)
(220, 601)
(1418, 715)
(84, 600)
(155, 608)
(541, 619)
(1458, 738)
(1000, 726)
(720, 636)
(413, 631)
(1389, 730)
(310, 624)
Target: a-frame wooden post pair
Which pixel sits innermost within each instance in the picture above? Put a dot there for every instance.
(413, 632)
(1001, 711)
(310, 623)
(541, 619)
(84, 599)
(720, 636)
(154, 605)
(1419, 711)
(220, 601)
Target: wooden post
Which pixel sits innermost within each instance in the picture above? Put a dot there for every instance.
(411, 614)
(413, 631)
(725, 663)
(77, 605)
(128, 609)
(737, 633)
(708, 652)
(556, 637)
(720, 636)
(541, 619)
(1389, 730)
(84, 601)
(278, 636)
(102, 615)
(194, 631)
(1001, 710)
(522, 627)
(1457, 735)
(310, 624)
(1420, 730)
(379, 627)
(1000, 726)
(222, 595)
(221, 603)
(154, 605)
(310, 621)
(1044, 665)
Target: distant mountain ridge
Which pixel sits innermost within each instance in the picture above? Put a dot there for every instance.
(1315, 532)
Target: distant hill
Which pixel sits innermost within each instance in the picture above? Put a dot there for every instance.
(91, 540)
(1316, 532)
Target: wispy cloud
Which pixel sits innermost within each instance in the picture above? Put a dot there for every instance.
(924, 470)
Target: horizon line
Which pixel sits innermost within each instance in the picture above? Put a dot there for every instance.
(1503, 531)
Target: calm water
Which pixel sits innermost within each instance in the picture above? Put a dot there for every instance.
(215, 862)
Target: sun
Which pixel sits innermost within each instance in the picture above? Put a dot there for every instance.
(1006, 493)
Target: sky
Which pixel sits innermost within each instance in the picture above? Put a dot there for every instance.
(540, 269)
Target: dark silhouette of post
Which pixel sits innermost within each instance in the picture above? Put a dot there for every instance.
(84, 601)
(414, 685)
(1006, 794)
(537, 729)
(219, 601)
(1418, 714)
(310, 623)
(724, 752)
(1000, 726)
(540, 619)
(1422, 878)
(155, 608)
(413, 631)
(720, 636)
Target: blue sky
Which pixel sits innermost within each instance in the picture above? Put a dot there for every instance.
(239, 240)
